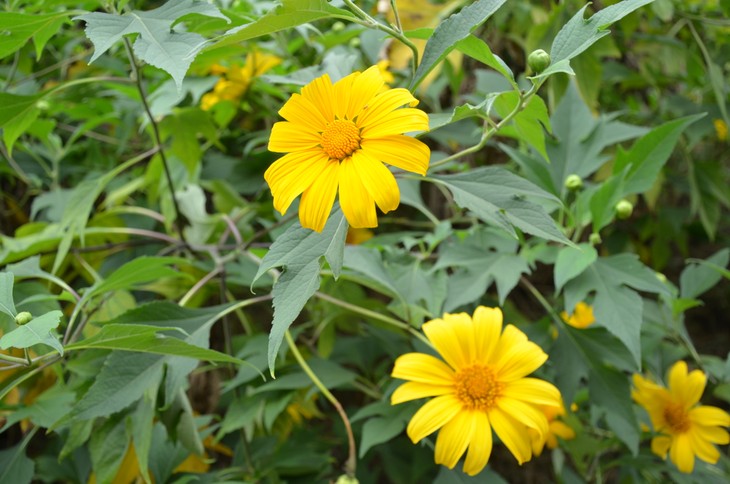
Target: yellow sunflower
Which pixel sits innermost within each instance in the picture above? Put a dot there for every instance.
(336, 137)
(582, 316)
(481, 385)
(685, 429)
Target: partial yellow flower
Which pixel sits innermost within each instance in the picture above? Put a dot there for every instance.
(481, 385)
(358, 236)
(556, 428)
(582, 316)
(384, 66)
(336, 137)
(684, 429)
(237, 79)
(720, 129)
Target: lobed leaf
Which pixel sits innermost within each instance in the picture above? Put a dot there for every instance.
(37, 331)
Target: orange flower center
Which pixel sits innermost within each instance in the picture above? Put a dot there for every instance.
(340, 139)
(677, 418)
(477, 387)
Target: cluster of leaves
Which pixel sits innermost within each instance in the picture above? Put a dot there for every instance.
(148, 286)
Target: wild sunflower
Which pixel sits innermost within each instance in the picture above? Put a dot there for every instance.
(481, 385)
(685, 429)
(335, 137)
(582, 316)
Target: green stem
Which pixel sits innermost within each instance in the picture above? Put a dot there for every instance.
(13, 359)
(351, 463)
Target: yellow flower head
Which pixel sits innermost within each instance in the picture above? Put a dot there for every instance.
(556, 428)
(237, 79)
(336, 137)
(582, 316)
(482, 385)
(720, 129)
(685, 429)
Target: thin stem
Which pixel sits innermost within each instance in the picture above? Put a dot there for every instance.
(351, 463)
(14, 360)
(18, 170)
(398, 24)
(137, 73)
(27, 356)
(13, 70)
(541, 299)
(198, 285)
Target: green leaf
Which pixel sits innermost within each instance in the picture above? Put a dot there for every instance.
(572, 261)
(158, 42)
(38, 331)
(18, 28)
(380, 429)
(107, 446)
(616, 307)
(146, 339)
(610, 390)
(31, 267)
(7, 305)
(47, 409)
(701, 276)
(290, 13)
(15, 466)
(298, 250)
(530, 123)
(464, 111)
(649, 154)
(579, 34)
(17, 114)
(454, 29)
(142, 424)
(604, 200)
(138, 271)
(476, 48)
(497, 196)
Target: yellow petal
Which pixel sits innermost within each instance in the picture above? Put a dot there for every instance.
(364, 88)
(378, 181)
(300, 110)
(511, 336)
(463, 327)
(513, 435)
(561, 430)
(708, 415)
(342, 91)
(383, 104)
(357, 204)
(293, 173)
(691, 391)
(524, 413)
(453, 439)
(480, 446)
(320, 93)
(445, 340)
(487, 328)
(317, 200)
(401, 151)
(287, 137)
(523, 359)
(414, 390)
(423, 368)
(432, 416)
(533, 390)
(660, 445)
(704, 449)
(681, 453)
(397, 122)
(713, 434)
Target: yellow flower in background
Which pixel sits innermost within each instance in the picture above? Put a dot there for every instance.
(336, 137)
(237, 80)
(720, 129)
(384, 66)
(556, 428)
(358, 236)
(582, 316)
(481, 385)
(684, 429)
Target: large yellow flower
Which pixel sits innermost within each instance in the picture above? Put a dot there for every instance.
(685, 429)
(335, 137)
(481, 386)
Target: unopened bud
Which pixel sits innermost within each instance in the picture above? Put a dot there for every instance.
(355, 43)
(595, 238)
(42, 104)
(662, 278)
(624, 208)
(573, 182)
(338, 26)
(345, 479)
(538, 60)
(23, 317)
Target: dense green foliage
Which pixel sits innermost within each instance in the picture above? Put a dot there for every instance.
(151, 296)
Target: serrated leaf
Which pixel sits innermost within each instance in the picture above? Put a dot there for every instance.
(499, 197)
(572, 261)
(290, 13)
(158, 43)
(18, 28)
(454, 29)
(37, 331)
(7, 305)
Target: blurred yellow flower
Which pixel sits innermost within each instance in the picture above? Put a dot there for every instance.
(237, 80)
(582, 316)
(720, 129)
(556, 428)
(358, 236)
(482, 385)
(684, 429)
(384, 66)
(336, 137)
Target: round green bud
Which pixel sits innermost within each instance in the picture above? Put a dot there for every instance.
(355, 43)
(42, 104)
(23, 317)
(345, 479)
(538, 60)
(662, 278)
(573, 182)
(595, 238)
(624, 208)
(338, 26)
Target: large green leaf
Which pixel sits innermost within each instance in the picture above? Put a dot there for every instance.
(17, 114)
(616, 307)
(7, 305)
(158, 43)
(454, 29)
(572, 261)
(499, 197)
(298, 251)
(37, 331)
(285, 16)
(15, 466)
(19, 28)
(138, 271)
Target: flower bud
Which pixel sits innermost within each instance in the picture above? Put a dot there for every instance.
(595, 238)
(573, 182)
(23, 317)
(538, 60)
(355, 43)
(338, 26)
(624, 208)
(345, 479)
